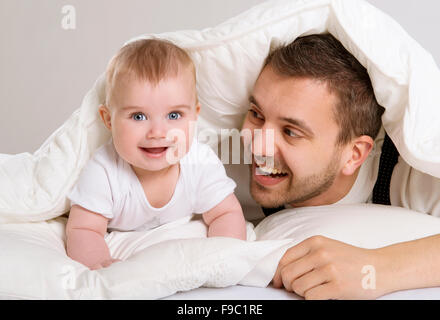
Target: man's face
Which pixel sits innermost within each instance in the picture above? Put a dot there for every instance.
(299, 112)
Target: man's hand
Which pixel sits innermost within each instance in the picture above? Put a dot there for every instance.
(322, 268)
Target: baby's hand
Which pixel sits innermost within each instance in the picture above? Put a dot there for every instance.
(104, 264)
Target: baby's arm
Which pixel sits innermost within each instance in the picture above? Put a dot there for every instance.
(85, 233)
(226, 219)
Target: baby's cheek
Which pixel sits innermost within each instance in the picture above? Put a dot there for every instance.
(179, 146)
(182, 133)
(125, 142)
(175, 153)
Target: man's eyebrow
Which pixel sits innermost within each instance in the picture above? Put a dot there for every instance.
(298, 123)
(254, 101)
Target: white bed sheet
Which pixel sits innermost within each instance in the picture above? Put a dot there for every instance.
(270, 293)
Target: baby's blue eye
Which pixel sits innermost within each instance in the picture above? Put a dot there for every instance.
(174, 115)
(139, 116)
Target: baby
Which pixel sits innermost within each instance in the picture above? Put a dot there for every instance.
(151, 171)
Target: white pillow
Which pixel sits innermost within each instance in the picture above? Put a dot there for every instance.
(177, 256)
(156, 263)
(228, 59)
(363, 225)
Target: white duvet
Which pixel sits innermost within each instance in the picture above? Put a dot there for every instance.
(228, 58)
(155, 264)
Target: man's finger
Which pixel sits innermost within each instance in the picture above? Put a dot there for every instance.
(292, 254)
(321, 292)
(297, 269)
(309, 281)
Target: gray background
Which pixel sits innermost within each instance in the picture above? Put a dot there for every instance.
(45, 70)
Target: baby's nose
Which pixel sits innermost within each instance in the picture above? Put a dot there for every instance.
(157, 130)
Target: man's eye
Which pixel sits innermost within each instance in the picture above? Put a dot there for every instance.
(290, 133)
(138, 116)
(174, 115)
(255, 114)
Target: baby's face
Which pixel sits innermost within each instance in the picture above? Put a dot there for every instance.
(152, 125)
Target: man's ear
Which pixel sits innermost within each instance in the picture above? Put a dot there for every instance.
(104, 112)
(356, 153)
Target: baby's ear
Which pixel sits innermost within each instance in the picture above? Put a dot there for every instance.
(198, 108)
(104, 112)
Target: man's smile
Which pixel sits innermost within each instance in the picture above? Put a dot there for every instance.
(267, 176)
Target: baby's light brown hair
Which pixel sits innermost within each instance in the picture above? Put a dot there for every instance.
(146, 60)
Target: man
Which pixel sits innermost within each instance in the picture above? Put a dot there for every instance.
(318, 102)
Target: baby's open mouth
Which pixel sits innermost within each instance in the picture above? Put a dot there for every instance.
(155, 150)
(155, 153)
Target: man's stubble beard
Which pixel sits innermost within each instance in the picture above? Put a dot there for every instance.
(296, 191)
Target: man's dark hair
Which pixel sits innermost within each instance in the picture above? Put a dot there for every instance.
(324, 58)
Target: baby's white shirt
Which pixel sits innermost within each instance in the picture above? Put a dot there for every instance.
(108, 186)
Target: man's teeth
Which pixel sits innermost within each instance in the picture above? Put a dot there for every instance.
(269, 170)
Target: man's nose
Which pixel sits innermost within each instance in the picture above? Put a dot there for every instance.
(263, 142)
